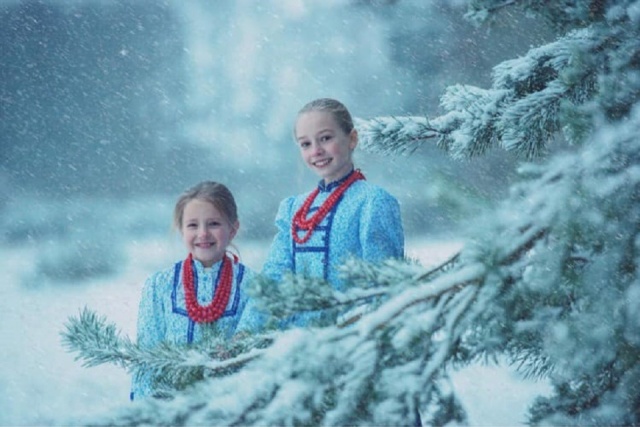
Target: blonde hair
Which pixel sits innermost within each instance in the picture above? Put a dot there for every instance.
(213, 192)
(334, 107)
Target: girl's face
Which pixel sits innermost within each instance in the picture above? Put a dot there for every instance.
(206, 233)
(324, 146)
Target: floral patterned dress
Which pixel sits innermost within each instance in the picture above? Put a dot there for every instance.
(364, 223)
(162, 315)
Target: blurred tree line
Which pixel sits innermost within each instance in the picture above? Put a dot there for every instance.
(125, 99)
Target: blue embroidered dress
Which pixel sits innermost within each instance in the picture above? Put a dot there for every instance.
(364, 223)
(162, 315)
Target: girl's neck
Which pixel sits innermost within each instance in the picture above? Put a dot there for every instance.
(208, 265)
(341, 177)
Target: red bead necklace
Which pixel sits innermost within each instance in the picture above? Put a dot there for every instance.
(213, 311)
(300, 221)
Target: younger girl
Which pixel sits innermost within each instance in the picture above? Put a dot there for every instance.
(205, 293)
(345, 215)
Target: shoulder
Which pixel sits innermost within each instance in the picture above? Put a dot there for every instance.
(164, 277)
(289, 204)
(246, 271)
(296, 199)
(373, 193)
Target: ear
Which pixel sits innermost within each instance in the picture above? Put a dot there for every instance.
(353, 139)
(234, 229)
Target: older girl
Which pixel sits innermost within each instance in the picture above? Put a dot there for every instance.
(345, 215)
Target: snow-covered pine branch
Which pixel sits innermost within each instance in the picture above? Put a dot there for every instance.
(519, 113)
(394, 134)
(279, 302)
(97, 342)
(369, 285)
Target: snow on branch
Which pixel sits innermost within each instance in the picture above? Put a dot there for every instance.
(473, 130)
(97, 342)
(519, 113)
(394, 134)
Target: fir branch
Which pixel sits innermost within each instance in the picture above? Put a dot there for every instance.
(443, 267)
(531, 363)
(519, 113)
(472, 119)
(95, 341)
(369, 284)
(361, 274)
(464, 276)
(402, 135)
(294, 293)
(375, 283)
(537, 113)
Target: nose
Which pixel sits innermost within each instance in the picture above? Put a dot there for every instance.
(317, 148)
(202, 231)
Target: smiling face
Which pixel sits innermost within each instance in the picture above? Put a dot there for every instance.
(325, 147)
(206, 232)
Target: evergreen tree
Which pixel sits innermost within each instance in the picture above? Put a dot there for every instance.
(549, 279)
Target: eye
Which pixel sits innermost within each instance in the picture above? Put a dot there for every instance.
(304, 144)
(214, 224)
(325, 138)
(192, 225)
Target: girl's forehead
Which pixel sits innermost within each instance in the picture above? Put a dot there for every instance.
(312, 120)
(315, 115)
(199, 206)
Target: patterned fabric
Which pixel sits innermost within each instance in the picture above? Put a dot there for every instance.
(365, 223)
(162, 315)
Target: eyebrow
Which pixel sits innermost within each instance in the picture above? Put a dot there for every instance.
(330, 130)
(213, 218)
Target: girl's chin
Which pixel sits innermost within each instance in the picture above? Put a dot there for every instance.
(207, 261)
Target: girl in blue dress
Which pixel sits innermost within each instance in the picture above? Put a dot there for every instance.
(203, 294)
(344, 216)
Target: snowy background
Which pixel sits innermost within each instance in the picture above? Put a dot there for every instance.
(108, 109)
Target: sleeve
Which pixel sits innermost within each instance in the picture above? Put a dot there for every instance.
(279, 259)
(150, 332)
(381, 231)
(381, 237)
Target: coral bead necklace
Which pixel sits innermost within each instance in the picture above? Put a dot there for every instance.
(300, 221)
(213, 311)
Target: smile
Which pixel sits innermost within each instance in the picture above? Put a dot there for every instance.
(203, 245)
(321, 163)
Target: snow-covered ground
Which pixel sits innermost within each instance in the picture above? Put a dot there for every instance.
(42, 384)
